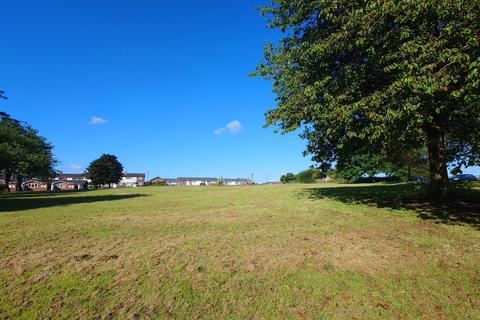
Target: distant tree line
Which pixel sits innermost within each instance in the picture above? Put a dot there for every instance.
(310, 175)
(363, 167)
(366, 168)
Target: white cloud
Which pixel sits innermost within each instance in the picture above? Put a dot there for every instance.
(234, 127)
(97, 120)
(219, 131)
(74, 166)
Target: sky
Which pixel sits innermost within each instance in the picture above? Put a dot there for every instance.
(163, 85)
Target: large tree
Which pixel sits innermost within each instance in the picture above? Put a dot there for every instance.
(382, 77)
(105, 170)
(23, 152)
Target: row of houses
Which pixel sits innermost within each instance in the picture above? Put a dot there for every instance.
(74, 181)
(200, 181)
(79, 181)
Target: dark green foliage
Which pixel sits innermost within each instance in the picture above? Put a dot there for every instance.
(288, 178)
(3, 97)
(309, 176)
(358, 166)
(105, 170)
(381, 77)
(23, 153)
(361, 166)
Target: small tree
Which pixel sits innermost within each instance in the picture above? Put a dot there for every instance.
(309, 175)
(105, 170)
(287, 178)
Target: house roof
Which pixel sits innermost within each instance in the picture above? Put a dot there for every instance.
(71, 175)
(196, 179)
(33, 180)
(133, 175)
(69, 181)
(207, 179)
(83, 175)
(164, 179)
(236, 180)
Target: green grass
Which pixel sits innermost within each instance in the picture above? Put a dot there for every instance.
(259, 252)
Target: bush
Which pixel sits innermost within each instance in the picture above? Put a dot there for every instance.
(288, 178)
(309, 175)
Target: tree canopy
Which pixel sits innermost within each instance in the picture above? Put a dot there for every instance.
(105, 170)
(287, 178)
(23, 152)
(380, 77)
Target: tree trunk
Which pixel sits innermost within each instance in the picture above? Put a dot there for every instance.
(436, 154)
(18, 187)
(8, 177)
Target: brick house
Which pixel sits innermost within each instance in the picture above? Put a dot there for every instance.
(157, 180)
(128, 179)
(35, 185)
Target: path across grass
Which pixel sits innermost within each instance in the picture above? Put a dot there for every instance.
(257, 252)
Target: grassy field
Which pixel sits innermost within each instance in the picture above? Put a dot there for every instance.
(259, 252)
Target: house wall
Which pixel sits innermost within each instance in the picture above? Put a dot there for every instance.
(65, 186)
(35, 186)
(195, 182)
(128, 182)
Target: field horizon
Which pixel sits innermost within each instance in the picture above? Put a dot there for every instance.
(323, 251)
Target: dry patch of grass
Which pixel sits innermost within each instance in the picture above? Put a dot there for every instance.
(258, 252)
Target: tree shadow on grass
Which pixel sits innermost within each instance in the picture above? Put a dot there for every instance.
(34, 194)
(405, 196)
(19, 202)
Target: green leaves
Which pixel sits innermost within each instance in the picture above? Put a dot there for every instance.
(23, 152)
(370, 76)
(105, 170)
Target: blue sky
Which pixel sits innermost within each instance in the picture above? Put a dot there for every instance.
(160, 78)
(161, 84)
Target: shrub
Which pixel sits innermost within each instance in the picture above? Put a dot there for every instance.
(288, 178)
(309, 175)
